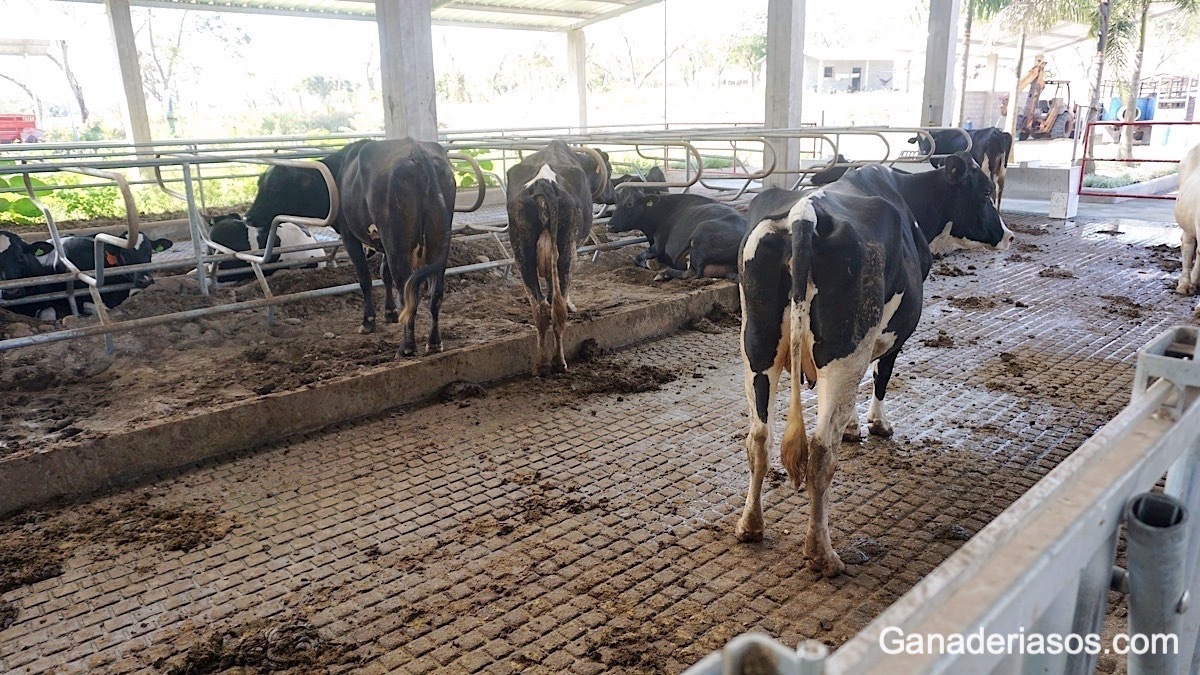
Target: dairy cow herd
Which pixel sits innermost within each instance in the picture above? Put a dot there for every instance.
(831, 280)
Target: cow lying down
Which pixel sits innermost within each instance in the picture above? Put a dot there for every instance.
(233, 232)
(80, 251)
(690, 235)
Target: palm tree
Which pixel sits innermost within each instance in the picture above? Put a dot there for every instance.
(1130, 13)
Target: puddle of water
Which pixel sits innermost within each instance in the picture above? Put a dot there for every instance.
(1134, 232)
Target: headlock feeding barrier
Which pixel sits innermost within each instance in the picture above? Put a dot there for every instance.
(728, 162)
(1041, 572)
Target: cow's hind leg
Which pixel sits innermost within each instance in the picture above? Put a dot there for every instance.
(760, 393)
(390, 314)
(877, 421)
(837, 384)
(354, 249)
(401, 271)
(1188, 255)
(559, 298)
(436, 292)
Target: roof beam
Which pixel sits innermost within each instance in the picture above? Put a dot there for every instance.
(523, 11)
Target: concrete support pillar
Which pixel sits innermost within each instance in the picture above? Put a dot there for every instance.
(406, 69)
(785, 80)
(137, 121)
(577, 74)
(937, 100)
(991, 114)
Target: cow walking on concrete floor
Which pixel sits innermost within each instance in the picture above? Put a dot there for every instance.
(832, 282)
(397, 196)
(549, 211)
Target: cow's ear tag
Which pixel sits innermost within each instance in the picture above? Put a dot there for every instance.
(650, 201)
(110, 259)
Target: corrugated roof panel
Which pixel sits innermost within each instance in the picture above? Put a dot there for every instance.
(557, 15)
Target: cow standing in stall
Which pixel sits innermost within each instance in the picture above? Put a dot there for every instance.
(397, 196)
(991, 148)
(550, 196)
(831, 283)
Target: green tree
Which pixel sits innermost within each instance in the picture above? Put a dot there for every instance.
(1130, 13)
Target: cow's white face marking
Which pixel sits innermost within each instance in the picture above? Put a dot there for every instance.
(545, 173)
(140, 240)
(5, 242)
(946, 242)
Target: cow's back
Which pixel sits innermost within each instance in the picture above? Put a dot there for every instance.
(566, 166)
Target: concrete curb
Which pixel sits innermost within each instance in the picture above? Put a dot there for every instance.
(82, 468)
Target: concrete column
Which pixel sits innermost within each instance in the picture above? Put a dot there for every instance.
(137, 121)
(991, 115)
(785, 80)
(577, 74)
(406, 69)
(937, 99)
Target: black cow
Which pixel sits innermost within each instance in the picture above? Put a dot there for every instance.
(19, 259)
(827, 176)
(549, 211)
(689, 234)
(654, 175)
(80, 250)
(991, 148)
(849, 260)
(397, 196)
(232, 231)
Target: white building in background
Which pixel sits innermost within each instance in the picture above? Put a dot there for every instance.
(833, 70)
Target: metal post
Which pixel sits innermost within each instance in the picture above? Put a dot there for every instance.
(201, 249)
(1156, 532)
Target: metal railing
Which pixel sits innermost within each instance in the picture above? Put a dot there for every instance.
(1046, 564)
(1087, 145)
(686, 147)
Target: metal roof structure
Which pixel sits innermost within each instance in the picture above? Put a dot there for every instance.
(543, 15)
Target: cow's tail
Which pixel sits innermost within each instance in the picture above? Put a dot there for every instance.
(432, 222)
(1012, 148)
(793, 451)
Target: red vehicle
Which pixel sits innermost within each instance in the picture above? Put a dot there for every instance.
(19, 128)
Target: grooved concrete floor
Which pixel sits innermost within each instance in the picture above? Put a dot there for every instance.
(538, 529)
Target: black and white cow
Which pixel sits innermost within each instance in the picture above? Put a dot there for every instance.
(233, 232)
(827, 176)
(654, 175)
(80, 250)
(550, 210)
(689, 234)
(20, 259)
(831, 283)
(991, 148)
(397, 196)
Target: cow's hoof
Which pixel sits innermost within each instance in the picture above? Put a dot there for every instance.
(661, 276)
(852, 435)
(559, 367)
(434, 348)
(829, 566)
(748, 536)
(1184, 289)
(391, 316)
(408, 351)
(878, 428)
(367, 327)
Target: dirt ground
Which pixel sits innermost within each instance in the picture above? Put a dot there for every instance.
(73, 390)
(583, 524)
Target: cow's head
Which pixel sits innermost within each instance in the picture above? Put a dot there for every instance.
(596, 175)
(19, 260)
(288, 190)
(969, 218)
(116, 256)
(922, 143)
(630, 213)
